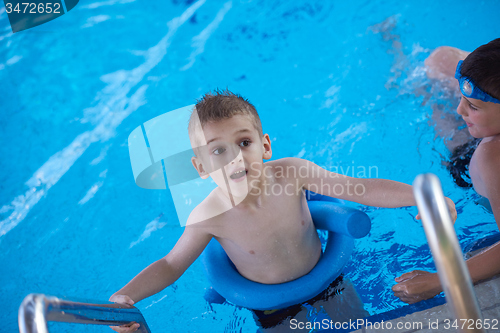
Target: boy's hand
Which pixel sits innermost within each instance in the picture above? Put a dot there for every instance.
(451, 208)
(126, 328)
(416, 286)
(122, 299)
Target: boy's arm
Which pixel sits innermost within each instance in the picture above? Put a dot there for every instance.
(366, 191)
(419, 285)
(167, 270)
(370, 192)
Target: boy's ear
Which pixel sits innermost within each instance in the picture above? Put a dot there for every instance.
(266, 143)
(199, 167)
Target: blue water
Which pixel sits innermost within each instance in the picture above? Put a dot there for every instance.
(335, 82)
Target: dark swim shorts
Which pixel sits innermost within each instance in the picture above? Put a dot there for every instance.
(271, 318)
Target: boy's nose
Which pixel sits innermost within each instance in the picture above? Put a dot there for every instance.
(237, 159)
(462, 108)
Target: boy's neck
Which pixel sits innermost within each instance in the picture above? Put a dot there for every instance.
(490, 138)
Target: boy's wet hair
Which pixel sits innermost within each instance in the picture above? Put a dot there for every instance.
(219, 105)
(482, 66)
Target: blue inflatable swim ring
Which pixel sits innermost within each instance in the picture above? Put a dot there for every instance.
(343, 224)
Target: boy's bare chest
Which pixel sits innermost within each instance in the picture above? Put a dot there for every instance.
(278, 223)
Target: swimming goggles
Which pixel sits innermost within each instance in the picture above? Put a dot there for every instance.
(469, 89)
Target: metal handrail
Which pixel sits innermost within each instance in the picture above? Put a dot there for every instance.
(37, 309)
(452, 270)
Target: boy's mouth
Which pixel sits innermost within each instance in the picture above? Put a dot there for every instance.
(468, 124)
(238, 174)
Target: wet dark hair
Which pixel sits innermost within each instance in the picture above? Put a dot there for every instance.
(482, 66)
(223, 104)
(458, 166)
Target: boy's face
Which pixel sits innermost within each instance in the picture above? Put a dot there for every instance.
(482, 118)
(234, 148)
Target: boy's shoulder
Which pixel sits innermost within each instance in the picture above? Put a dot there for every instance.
(210, 209)
(290, 168)
(488, 154)
(287, 162)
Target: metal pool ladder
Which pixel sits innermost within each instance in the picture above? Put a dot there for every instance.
(452, 270)
(37, 309)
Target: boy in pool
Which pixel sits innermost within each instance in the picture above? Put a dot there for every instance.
(270, 238)
(479, 80)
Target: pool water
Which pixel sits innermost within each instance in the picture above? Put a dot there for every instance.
(340, 83)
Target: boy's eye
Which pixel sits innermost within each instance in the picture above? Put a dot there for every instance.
(472, 107)
(218, 151)
(245, 143)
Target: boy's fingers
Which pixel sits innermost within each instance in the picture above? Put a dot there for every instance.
(452, 209)
(123, 299)
(396, 288)
(400, 291)
(119, 329)
(130, 327)
(454, 215)
(407, 276)
(403, 277)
